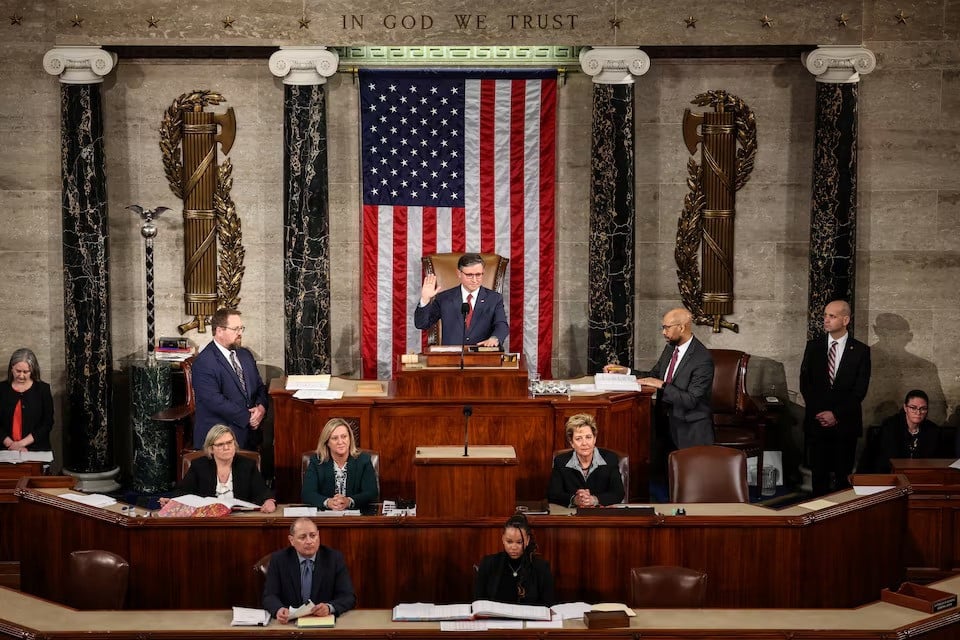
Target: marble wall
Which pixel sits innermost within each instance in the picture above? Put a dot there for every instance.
(909, 218)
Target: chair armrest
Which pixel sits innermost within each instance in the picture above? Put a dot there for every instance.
(173, 414)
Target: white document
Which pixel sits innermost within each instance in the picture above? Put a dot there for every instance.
(465, 625)
(955, 464)
(446, 348)
(556, 623)
(614, 606)
(583, 388)
(16, 457)
(192, 500)
(418, 611)
(246, 617)
(330, 513)
(93, 499)
(571, 610)
(299, 512)
(491, 609)
(870, 490)
(317, 394)
(616, 382)
(389, 508)
(321, 381)
(504, 624)
(302, 610)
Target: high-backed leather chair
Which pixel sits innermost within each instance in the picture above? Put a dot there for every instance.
(374, 460)
(96, 579)
(444, 266)
(667, 588)
(738, 420)
(708, 474)
(624, 470)
(180, 417)
(262, 565)
(190, 456)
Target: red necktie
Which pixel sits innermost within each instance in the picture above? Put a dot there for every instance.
(469, 313)
(673, 365)
(17, 431)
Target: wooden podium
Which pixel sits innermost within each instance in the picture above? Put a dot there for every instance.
(485, 375)
(451, 485)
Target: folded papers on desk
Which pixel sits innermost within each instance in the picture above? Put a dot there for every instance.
(16, 457)
(247, 617)
(91, 500)
(420, 611)
(320, 381)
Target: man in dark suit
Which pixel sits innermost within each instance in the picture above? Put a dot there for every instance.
(307, 571)
(227, 386)
(480, 308)
(834, 378)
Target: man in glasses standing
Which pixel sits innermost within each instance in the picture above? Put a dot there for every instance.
(227, 387)
(834, 377)
(470, 304)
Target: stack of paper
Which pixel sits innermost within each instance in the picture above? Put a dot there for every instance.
(317, 622)
(616, 382)
(321, 381)
(92, 500)
(245, 617)
(420, 611)
(14, 457)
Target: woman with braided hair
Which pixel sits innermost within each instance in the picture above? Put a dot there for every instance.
(516, 575)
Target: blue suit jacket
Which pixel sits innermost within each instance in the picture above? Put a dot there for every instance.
(319, 481)
(331, 581)
(220, 398)
(488, 318)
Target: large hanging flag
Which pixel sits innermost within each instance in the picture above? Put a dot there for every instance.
(459, 160)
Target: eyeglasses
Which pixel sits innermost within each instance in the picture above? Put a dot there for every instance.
(224, 445)
(917, 409)
(237, 329)
(471, 275)
(664, 327)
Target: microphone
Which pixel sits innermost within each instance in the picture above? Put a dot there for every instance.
(464, 310)
(467, 412)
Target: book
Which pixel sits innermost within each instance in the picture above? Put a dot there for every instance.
(193, 506)
(421, 611)
(317, 622)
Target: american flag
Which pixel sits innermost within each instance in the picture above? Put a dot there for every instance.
(456, 161)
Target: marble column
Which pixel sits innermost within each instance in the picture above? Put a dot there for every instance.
(610, 321)
(306, 213)
(833, 216)
(88, 446)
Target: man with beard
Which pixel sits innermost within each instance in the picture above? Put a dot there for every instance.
(227, 386)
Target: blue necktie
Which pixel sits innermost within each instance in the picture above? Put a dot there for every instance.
(306, 579)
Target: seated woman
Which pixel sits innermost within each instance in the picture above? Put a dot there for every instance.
(587, 476)
(26, 405)
(908, 434)
(339, 475)
(224, 474)
(515, 575)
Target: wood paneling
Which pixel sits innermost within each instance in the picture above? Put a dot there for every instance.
(838, 557)
(932, 548)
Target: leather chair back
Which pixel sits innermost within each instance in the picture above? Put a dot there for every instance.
(708, 474)
(96, 579)
(261, 566)
(624, 466)
(738, 420)
(667, 588)
(444, 266)
(190, 456)
(374, 460)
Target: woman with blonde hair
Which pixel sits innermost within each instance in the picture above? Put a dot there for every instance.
(339, 475)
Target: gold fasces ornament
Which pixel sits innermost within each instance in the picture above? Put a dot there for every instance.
(706, 224)
(188, 141)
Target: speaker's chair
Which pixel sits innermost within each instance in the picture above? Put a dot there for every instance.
(444, 266)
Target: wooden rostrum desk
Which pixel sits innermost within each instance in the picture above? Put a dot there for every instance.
(430, 412)
(932, 545)
(837, 556)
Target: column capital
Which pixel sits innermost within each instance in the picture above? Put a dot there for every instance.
(839, 64)
(614, 65)
(80, 64)
(304, 65)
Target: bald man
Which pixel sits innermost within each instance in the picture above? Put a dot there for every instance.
(684, 378)
(834, 378)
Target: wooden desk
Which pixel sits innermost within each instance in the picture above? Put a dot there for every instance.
(932, 547)
(23, 616)
(395, 426)
(451, 485)
(840, 555)
(10, 475)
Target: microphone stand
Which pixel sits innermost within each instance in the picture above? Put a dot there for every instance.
(464, 310)
(467, 412)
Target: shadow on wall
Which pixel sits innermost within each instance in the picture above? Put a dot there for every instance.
(895, 371)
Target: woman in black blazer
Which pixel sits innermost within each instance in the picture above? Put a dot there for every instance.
(587, 476)
(515, 575)
(224, 474)
(908, 434)
(26, 405)
(339, 475)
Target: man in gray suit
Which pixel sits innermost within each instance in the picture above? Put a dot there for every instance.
(684, 378)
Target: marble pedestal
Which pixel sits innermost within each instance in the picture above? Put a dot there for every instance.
(154, 452)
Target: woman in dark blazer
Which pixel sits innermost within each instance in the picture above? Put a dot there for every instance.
(908, 434)
(223, 473)
(339, 475)
(587, 476)
(26, 405)
(515, 575)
